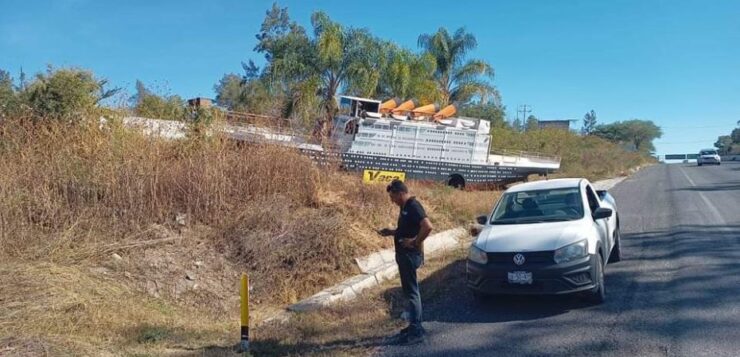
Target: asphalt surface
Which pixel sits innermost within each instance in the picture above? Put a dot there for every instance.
(676, 293)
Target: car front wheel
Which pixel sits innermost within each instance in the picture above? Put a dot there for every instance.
(616, 254)
(598, 294)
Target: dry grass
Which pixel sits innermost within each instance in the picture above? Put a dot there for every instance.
(74, 310)
(71, 196)
(358, 327)
(590, 157)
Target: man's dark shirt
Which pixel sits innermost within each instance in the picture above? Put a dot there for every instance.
(409, 224)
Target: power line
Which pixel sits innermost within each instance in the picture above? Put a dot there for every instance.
(524, 109)
(695, 127)
(681, 142)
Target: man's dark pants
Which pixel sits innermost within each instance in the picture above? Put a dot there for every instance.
(408, 262)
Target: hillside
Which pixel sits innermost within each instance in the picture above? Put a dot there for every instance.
(112, 241)
(107, 235)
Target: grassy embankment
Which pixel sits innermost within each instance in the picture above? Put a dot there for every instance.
(581, 156)
(73, 196)
(95, 259)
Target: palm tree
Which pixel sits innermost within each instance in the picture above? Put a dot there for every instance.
(407, 75)
(316, 68)
(458, 79)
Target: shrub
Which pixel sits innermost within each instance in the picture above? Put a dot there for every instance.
(64, 94)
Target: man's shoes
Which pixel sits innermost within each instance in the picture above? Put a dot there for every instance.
(407, 329)
(411, 338)
(400, 335)
(408, 336)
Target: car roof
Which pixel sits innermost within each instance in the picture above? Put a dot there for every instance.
(547, 185)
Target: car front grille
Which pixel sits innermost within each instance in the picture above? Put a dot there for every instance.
(530, 257)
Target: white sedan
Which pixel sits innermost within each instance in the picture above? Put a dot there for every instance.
(708, 156)
(546, 237)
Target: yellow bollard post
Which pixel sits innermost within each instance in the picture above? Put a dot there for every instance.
(244, 313)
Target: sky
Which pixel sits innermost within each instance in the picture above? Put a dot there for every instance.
(673, 62)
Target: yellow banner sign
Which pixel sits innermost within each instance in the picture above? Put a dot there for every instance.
(379, 176)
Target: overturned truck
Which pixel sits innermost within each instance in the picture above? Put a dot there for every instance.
(423, 143)
(394, 139)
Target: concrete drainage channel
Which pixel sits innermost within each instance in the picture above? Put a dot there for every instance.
(376, 268)
(381, 266)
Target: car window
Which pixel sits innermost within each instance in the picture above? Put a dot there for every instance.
(593, 202)
(534, 206)
(708, 152)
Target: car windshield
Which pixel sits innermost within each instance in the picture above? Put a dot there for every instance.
(708, 152)
(562, 204)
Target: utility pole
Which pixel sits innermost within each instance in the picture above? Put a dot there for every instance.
(524, 109)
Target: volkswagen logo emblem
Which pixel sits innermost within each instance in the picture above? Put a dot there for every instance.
(519, 259)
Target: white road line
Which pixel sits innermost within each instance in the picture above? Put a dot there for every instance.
(712, 209)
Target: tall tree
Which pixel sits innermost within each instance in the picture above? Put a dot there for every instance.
(334, 57)
(288, 76)
(407, 75)
(274, 29)
(150, 105)
(7, 94)
(532, 123)
(230, 92)
(724, 144)
(342, 54)
(517, 125)
(637, 134)
(589, 123)
(6, 83)
(458, 79)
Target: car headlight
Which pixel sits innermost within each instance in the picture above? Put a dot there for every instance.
(571, 252)
(477, 255)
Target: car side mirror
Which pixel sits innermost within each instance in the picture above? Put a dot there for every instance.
(481, 219)
(601, 212)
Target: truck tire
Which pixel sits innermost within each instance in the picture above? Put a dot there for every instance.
(456, 181)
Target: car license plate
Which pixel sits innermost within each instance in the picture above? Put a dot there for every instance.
(520, 277)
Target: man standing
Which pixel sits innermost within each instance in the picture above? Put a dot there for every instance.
(413, 228)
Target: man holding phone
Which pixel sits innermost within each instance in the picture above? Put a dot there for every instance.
(412, 229)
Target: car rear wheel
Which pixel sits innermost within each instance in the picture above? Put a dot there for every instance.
(617, 250)
(598, 294)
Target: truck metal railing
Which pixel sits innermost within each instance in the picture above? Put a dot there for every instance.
(251, 118)
(525, 154)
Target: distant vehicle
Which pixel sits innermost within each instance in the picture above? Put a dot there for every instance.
(708, 156)
(546, 237)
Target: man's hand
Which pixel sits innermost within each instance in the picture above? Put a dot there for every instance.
(386, 232)
(409, 243)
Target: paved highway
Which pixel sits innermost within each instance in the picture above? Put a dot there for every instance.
(676, 293)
